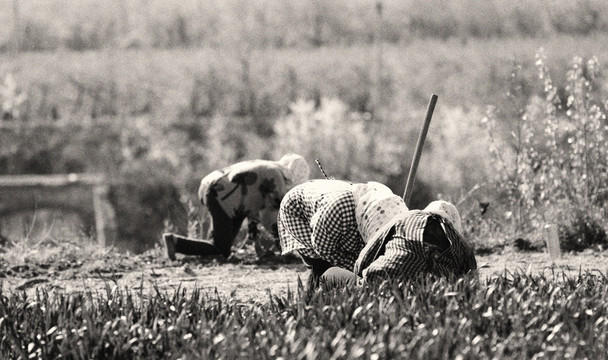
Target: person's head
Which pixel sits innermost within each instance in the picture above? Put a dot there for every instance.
(375, 207)
(295, 168)
(446, 210)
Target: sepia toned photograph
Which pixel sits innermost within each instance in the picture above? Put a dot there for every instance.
(303, 179)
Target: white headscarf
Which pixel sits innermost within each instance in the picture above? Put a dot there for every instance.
(375, 207)
(295, 168)
(446, 210)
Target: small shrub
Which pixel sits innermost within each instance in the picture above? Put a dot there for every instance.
(144, 197)
(442, 24)
(526, 20)
(340, 138)
(522, 244)
(555, 164)
(582, 232)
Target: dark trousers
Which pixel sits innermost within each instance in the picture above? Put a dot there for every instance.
(322, 272)
(337, 276)
(225, 230)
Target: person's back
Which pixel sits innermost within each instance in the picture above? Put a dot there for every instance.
(250, 189)
(246, 187)
(317, 219)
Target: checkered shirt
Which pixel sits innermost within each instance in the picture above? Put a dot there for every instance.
(400, 252)
(317, 219)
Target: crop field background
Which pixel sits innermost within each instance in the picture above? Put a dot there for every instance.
(156, 94)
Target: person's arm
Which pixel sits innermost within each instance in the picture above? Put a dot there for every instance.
(272, 190)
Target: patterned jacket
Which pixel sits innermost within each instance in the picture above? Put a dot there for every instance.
(317, 219)
(252, 188)
(399, 251)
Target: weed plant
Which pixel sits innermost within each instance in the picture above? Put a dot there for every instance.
(555, 168)
(512, 316)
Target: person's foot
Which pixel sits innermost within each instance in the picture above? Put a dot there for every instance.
(169, 243)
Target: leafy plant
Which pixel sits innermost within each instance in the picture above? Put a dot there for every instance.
(337, 136)
(556, 169)
(582, 231)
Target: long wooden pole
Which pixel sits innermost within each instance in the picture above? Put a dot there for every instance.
(409, 186)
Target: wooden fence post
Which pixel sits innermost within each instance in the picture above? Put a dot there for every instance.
(552, 240)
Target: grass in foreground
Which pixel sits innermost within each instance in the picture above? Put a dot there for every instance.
(509, 316)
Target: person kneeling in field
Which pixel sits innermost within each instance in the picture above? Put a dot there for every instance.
(250, 189)
(349, 233)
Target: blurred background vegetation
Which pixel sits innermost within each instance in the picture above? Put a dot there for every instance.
(156, 94)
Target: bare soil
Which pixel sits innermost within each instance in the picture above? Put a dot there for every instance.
(242, 277)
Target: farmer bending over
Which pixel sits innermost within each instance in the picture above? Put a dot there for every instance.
(250, 189)
(351, 232)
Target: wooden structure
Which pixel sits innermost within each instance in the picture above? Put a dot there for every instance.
(83, 194)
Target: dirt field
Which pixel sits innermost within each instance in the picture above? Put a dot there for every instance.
(242, 277)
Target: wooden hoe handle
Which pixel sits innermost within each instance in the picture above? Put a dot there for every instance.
(407, 195)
